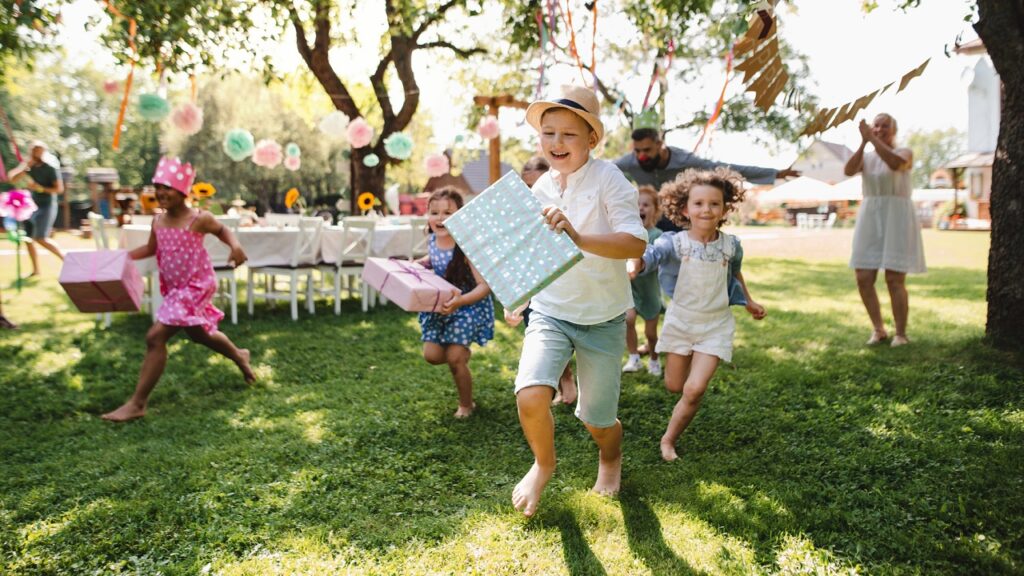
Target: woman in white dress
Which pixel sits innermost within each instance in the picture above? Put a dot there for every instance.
(888, 234)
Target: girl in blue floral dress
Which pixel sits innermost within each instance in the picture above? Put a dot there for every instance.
(466, 318)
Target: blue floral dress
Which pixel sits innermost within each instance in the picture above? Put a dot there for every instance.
(473, 323)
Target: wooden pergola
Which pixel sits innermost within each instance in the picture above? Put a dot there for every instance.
(494, 105)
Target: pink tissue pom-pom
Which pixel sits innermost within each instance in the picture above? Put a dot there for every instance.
(292, 163)
(17, 204)
(111, 86)
(488, 128)
(359, 133)
(267, 154)
(188, 118)
(436, 165)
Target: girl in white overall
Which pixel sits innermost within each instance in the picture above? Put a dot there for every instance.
(699, 327)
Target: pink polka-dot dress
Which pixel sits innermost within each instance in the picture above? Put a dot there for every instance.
(187, 281)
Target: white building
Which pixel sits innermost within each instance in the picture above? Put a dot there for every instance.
(823, 161)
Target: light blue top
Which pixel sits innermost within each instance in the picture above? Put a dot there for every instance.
(661, 255)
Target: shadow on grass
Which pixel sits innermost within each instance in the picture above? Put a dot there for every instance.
(895, 459)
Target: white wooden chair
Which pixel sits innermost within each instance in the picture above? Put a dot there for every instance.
(101, 238)
(303, 262)
(419, 238)
(356, 242)
(227, 280)
(275, 219)
(142, 219)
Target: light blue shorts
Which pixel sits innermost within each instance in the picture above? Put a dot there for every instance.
(549, 345)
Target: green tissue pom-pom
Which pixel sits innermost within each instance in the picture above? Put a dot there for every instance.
(371, 160)
(153, 108)
(239, 144)
(292, 150)
(398, 146)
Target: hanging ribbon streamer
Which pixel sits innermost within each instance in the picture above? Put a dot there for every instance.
(132, 29)
(14, 144)
(543, 54)
(192, 80)
(658, 71)
(709, 127)
(593, 48)
(567, 18)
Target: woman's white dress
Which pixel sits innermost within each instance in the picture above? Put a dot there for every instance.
(888, 233)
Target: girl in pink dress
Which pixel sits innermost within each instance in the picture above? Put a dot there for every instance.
(187, 283)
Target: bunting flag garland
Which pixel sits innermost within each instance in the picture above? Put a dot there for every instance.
(830, 118)
(764, 62)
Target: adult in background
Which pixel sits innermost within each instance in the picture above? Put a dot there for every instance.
(653, 163)
(888, 234)
(46, 186)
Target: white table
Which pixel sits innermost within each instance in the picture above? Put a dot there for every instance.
(264, 245)
(388, 240)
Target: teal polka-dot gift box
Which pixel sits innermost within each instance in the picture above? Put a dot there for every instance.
(503, 234)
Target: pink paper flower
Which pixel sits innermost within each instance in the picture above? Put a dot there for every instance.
(111, 86)
(488, 128)
(17, 204)
(188, 118)
(267, 154)
(436, 165)
(292, 163)
(359, 133)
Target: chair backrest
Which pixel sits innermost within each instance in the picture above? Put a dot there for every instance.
(99, 231)
(142, 219)
(274, 219)
(801, 220)
(356, 240)
(307, 245)
(232, 222)
(419, 238)
(831, 222)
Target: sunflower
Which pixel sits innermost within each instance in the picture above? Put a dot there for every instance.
(149, 202)
(365, 201)
(203, 190)
(291, 197)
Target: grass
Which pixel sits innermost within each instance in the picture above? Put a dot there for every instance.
(811, 455)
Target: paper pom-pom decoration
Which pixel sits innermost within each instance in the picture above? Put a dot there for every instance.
(359, 133)
(111, 86)
(488, 128)
(267, 154)
(371, 160)
(292, 150)
(238, 144)
(436, 165)
(458, 138)
(334, 125)
(17, 204)
(153, 108)
(398, 146)
(188, 118)
(292, 163)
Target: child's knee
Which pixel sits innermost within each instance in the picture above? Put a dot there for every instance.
(693, 394)
(674, 385)
(456, 355)
(433, 354)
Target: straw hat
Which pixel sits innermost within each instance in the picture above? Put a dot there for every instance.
(580, 101)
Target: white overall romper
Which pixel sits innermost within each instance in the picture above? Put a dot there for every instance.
(698, 318)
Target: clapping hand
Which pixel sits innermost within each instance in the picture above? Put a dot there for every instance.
(865, 130)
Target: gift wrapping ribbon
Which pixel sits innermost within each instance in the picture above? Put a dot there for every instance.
(415, 273)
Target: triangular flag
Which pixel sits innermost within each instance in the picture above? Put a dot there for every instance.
(911, 75)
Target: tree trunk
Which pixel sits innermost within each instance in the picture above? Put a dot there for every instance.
(364, 178)
(1001, 27)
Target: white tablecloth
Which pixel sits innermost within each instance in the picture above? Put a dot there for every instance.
(388, 240)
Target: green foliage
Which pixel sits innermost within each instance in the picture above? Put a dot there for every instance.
(26, 27)
(811, 453)
(933, 149)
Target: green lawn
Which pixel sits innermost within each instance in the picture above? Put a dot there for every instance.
(811, 455)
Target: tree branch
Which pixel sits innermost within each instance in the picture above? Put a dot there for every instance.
(463, 52)
(317, 58)
(435, 17)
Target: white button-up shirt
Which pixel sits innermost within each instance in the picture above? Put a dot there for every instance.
(597, 199)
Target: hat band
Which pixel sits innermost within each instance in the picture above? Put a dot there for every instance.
(571, 104)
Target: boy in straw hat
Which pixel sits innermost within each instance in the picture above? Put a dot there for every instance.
(584, 309)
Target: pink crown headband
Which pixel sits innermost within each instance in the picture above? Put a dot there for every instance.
(173, 173)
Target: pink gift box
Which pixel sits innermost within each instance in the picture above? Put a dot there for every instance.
(411, 286)
(102, 281)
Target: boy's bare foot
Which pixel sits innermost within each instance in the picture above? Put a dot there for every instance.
(526, 494)
(668, 450)
(244, 366)
(465, 411)
(609, 476)
(126, 412)
(876, 337)
(567, 387)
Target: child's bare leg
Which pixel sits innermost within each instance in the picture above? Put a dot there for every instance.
(33, 257)
(609, 465)
(220, 343)
(567, 385)
(631, 331)
(539, 429)
(702, 368)
(433, 353)
(897, 284)
(651, 333)
(458, 362)
(152, 368)
(869, 296)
